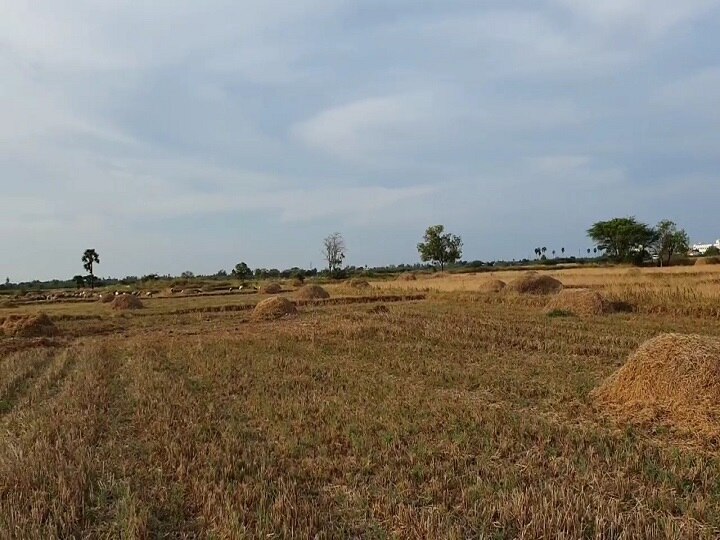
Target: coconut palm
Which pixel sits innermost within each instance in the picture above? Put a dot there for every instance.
(89, 258)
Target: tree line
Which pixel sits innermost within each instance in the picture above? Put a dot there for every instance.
(620, 240)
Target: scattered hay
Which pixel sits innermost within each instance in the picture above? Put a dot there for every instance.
(407, 276)
(492, 286)
(703, 261)
(273, 308)
(357, 283)
(633, 272)
(127, 301)
(673, 378)
(380, 309)
(38, 325)
(271, 288)
(581, 302)
(312, 292)
(534, 283)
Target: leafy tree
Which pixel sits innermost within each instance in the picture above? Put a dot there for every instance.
(669, 241)
(242, 271)
(79, 281)
(624, 239)
(334, 252)
(90, 258)
(221, 273)
(187, 274)
(440, 247)
(712, 251)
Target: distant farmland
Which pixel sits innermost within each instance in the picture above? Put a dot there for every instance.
(449, 412)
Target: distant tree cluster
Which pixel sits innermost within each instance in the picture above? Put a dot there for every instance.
(628, 240)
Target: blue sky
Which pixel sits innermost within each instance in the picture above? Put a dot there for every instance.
(176, 135)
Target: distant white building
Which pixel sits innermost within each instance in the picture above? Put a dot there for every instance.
(702, 248)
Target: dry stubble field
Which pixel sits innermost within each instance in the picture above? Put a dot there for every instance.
(464, 415)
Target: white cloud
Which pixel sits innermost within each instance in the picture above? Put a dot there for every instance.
(652, 16)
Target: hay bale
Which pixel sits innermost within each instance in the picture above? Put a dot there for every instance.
(581, 302)
(271, 288)
(407, 276)
(273, 308)
(492, 286)
(358, 283)
(534, 283)
(703, 261)
(312, 292)
(37, 325)
(127, 301)
(297, 283)
(107, 297)
(675, 376)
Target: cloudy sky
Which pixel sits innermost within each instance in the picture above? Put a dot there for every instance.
(176, 135)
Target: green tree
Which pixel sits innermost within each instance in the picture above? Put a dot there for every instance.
(623, 239)
(712, 251)
(670, 240)
(79, 281)
(440, 247)
(89, 259)
(334, 252)
(242, 271)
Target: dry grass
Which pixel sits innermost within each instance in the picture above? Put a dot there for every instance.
(312, 292)
(584, 302)
(28, 326)
(126, 301)
(271, 288)
(673, 377)
(703, 261)
(534, 283)
(274, 308)
(492, 286)
(461, 416)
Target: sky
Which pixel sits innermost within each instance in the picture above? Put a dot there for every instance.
(185, 135)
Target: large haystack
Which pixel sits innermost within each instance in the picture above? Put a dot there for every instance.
(28, 326)
(358, 283)
(271, 288)
(273, 308)
(127, 301)
(581, 302)
(533, 283)
(407, 276)
(672, 376)
(702, 261)
(312, 292)
(492, 286)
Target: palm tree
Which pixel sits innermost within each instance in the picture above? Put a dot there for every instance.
(595, 250)
(544, 249)
(89, 258)
(588, 250)
(562, 250)
(553, 252)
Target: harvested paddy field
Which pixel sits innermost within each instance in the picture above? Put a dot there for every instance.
(450, 413)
